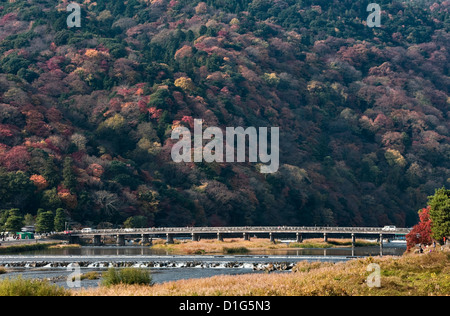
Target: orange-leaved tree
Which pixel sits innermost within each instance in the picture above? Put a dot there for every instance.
(421, 233)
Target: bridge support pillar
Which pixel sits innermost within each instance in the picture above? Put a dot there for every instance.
(353, 240)
(325, 237)
(97, 241)
(272, 238)
(299, 238)
(247, 236)
(169, 239)
(74, 240)
(146, 239)
(120, 240)
(195, 237)
(381, 245)
(219, 236)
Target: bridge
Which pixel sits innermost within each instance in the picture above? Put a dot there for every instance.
(246, 231)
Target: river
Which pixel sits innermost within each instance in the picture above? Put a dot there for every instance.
(56, 265)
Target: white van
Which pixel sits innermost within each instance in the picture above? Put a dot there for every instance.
(87, 230)
(389, 228)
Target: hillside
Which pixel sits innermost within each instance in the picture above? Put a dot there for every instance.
(86, 114)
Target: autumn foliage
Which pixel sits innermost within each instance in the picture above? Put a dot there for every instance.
(421, 233)
(39, 181)
(86, 114)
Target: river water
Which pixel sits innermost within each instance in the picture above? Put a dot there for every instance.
(57, 265)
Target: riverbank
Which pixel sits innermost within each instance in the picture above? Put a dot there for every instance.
(27, 245)
(409, 275)
(240, 246)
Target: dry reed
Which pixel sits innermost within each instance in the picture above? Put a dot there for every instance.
(427, 274)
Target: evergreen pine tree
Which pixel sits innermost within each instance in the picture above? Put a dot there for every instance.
(44, 221)
(60, 220)
(69, 178)
(440, 213)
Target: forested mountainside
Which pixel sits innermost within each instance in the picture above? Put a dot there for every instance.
(86, 113)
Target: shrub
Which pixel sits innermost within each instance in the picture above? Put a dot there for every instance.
(92, 275)
(127, 276)
(26, 287)
(235, 250)
(309, 245)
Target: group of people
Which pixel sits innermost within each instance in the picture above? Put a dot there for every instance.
(4, 236)
(421, 249)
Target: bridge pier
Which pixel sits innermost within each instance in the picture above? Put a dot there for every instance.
(299, 238)
(97, 241)
(271, 237)
(325, 237)
(74, 240)
(219, 236)
(247, 236)
(195, 237)
(381, 245)
(120, 240)
(146, 239)
(353, 244)
(169, 239)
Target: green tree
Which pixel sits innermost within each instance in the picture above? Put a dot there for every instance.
(203, 30)
(50, 172)
(69, 178)
(136, 222)
(14, 221)
(16, 190)
(3, 218)
(440, 213)
(50, 199)
(44, 221)
(29, 220)
(12, 63)
(148, 204)
(60, 220)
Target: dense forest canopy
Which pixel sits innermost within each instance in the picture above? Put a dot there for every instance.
(86, 113)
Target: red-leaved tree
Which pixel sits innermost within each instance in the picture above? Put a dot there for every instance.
(421, 233)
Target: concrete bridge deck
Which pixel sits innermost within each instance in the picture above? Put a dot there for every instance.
(244, 229)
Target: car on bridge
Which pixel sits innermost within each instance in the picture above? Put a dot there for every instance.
(389, 228)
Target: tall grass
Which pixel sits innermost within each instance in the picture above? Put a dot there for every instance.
(235, 250)
(129, 276)
(27, 287)
(309, 245)
(418, 275)
(213, 246)
(27, 247)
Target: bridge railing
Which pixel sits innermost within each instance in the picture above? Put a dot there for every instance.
(242, 229)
